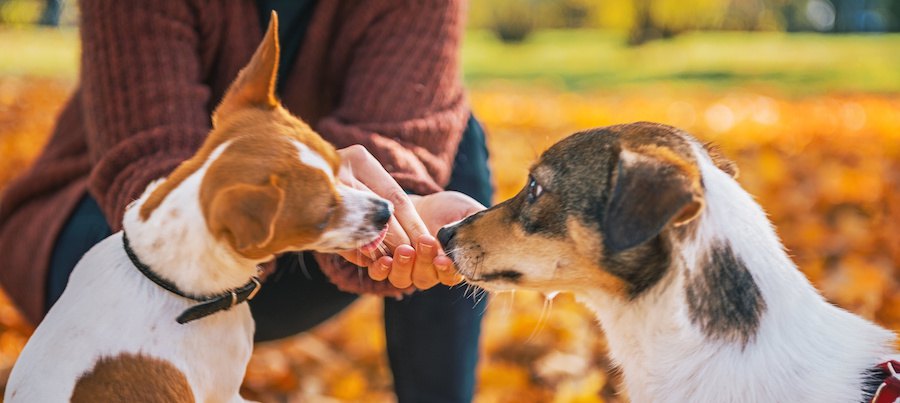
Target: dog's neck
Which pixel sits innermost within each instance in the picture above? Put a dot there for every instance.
(175, 243)
(733, 305)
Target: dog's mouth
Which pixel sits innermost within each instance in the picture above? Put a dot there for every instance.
(510, 276)
(373, 245)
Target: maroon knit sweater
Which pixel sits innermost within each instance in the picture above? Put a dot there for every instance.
(381, 73)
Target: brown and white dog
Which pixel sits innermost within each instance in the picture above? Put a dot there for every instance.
(262, 183)
(697, 297)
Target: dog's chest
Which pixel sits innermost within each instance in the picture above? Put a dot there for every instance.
(129, 314)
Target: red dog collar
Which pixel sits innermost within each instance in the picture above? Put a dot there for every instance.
(889, 390)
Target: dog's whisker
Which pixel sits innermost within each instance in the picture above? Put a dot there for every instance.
(383, 248)
(478, 295)
(542, 319)
(486, 304)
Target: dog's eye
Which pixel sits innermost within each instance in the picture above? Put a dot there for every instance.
(534, 190)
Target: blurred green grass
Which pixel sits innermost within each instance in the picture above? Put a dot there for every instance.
(585, 59)
(579, 60)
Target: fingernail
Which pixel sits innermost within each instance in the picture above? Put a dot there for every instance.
(384, 267)
(404, 259)
(426, 247)
(442, 267)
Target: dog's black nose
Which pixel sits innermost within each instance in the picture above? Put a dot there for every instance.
(381, 213)
(446, 235)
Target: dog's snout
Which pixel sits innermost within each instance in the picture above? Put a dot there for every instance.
(445, 236)
(381, 213)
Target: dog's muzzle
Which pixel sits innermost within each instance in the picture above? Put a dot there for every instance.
(445, 236)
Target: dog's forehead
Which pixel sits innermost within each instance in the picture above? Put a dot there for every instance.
(643, 135)
(596, 151)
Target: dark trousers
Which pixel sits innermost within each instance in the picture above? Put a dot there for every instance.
(432, 336)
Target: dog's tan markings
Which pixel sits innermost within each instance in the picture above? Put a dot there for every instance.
(669, 156)
(132, 378)
(245, 213)
(501, 252)
(588, 244)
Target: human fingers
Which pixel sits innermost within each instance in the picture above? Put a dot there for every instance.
(378, 270)
(424, 275)
(395, 236)
(401, 271)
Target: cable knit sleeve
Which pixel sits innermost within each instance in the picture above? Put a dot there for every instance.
(402, 97)
(145, 106)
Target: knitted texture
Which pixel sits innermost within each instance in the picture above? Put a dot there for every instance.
(381, 73)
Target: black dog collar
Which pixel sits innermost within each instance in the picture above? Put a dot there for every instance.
(208, 305)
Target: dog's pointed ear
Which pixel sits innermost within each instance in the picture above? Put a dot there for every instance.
(245, 214)
(255, 84)
(647, 195)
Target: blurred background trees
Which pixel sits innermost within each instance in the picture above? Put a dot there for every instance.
(645, 20)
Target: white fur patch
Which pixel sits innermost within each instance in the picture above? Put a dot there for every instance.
(313, 159)
(354, 230)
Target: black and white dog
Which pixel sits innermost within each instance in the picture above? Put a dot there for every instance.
(699, 301)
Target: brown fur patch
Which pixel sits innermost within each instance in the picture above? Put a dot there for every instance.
(668, 155)
(132, 378)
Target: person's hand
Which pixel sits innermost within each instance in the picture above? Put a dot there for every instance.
(438, 210)
(408, 265)
(427, 260)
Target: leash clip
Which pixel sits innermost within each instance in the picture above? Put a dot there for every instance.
(255, 289)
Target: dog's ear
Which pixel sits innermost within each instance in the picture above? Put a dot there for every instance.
(246, 214)
(648, 194)
(255, 84)
(720, 160)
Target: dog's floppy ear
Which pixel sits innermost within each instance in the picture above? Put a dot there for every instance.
(648, 194)
(255, 84)
(245, 214)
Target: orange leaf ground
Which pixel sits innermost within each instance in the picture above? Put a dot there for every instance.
(826, 168)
